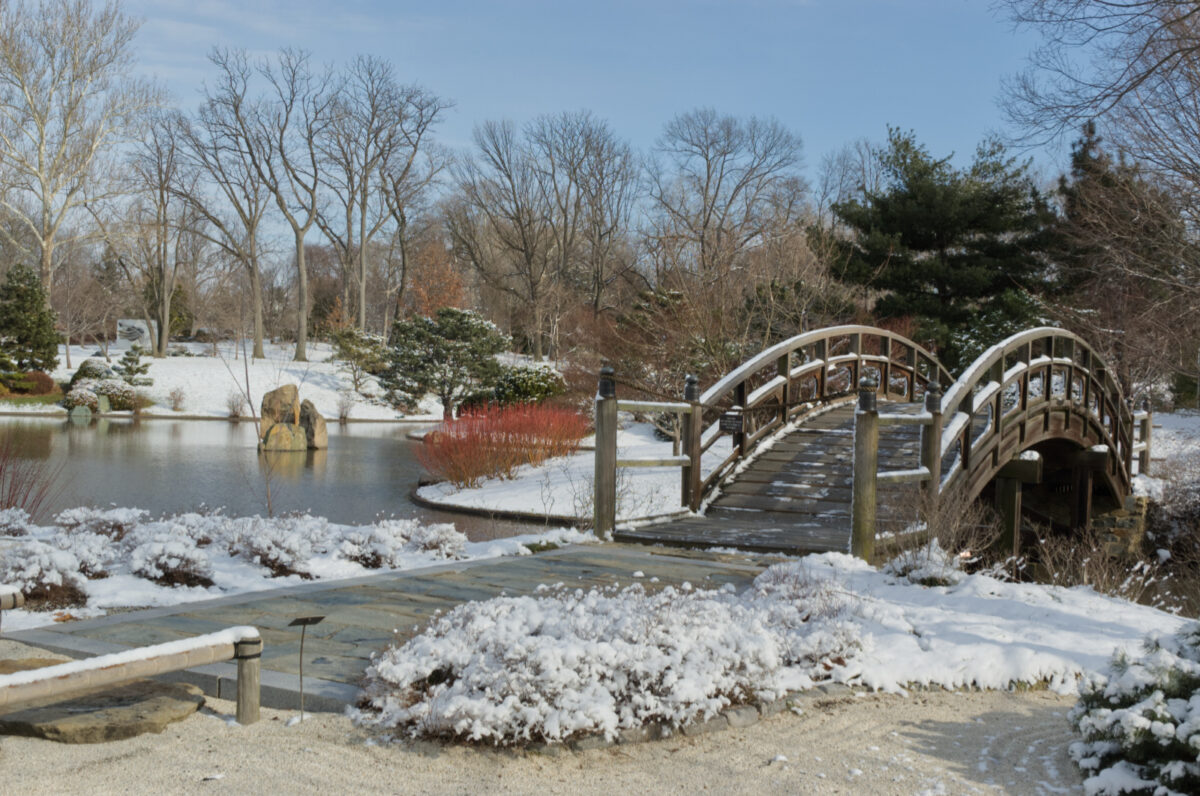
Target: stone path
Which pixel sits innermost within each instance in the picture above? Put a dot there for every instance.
(795, 497)
(364, 615)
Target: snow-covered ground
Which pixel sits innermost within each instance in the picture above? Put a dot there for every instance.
(208, 380)
(562, 487)
(121, 558)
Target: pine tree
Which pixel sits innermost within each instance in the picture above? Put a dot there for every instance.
(451, 355)
(27, 333)
(132, 369)
(961, 251)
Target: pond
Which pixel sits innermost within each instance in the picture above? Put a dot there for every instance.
(172, 466)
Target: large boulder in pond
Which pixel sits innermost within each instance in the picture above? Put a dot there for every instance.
(285, 437)
(280, 406)
(313, 425)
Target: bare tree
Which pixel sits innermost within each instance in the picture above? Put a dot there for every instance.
(371, 150)
(1095, 53)
(283, 140)
(502, 225)
(715, 184)
(231, 197)
(67, 100)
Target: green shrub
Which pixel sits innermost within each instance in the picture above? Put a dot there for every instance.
(132, 369)
(1141, 723)
(82, 395)
(523, 384)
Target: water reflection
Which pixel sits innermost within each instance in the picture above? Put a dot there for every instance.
(169, 466)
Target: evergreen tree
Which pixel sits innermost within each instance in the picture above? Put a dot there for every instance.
(961, 251)
(27, 335)
(452, 355)
(132, 369)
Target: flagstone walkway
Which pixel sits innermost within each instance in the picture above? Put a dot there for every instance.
(364, 615)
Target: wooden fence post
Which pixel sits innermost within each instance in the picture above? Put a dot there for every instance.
(866, 468)
(1147, 424)
(931, 445)
(604, 498)
(248, 655)
(693, 424)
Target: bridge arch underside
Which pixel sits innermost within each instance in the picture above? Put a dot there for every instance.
(1078, 453)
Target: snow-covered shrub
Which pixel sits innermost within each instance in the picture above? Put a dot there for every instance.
(385, 543)
(92, 369)
(94, 552)
(14, 522)
(114, 523)
(517, 669)
(443, 540)
(284, 545)
(121, 396)
(171, 558)
(82, 395)
(1141, 721)
(48, 577)
(927, 565)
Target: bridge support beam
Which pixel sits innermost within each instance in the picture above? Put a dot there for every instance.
(1083, 468)
(1008, 500)
(866, 468)
(693, 424)
(604, 496)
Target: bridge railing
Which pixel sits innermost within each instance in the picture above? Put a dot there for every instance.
(785, 383)
(982, 421)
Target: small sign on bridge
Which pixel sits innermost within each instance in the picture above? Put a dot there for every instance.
(731, 422)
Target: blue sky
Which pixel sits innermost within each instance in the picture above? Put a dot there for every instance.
(832, 70)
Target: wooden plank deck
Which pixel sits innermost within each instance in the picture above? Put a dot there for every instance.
(795, 497)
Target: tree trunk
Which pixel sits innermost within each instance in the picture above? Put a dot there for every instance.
(301, 300)
(256, 297)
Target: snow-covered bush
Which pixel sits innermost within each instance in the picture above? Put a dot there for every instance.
(385, 543)
(284, 545)
(48, 577)
(121, 396)
(114, 523)
(442, 540)
(92, 369)
(94, 553)
(171, 558)
(927, 565)
(517, 669)
(1141, 722)
(81, 395)
(14, 522)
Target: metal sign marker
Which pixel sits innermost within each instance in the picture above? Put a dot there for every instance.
(303, 622)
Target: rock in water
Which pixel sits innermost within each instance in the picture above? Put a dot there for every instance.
(279, 406)
(111, 714)
(285, 437)
(314, 426)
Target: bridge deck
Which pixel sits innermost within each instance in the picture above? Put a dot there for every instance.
(795, 497)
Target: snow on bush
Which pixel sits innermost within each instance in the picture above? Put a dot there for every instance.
(385, 543)
(81, 395)
(517, 669)
(14, 522)
(284, 545)
(927, 565)
(94, 552)
(47, 576)
(171, 558)
(1141, 721)
(114, 523)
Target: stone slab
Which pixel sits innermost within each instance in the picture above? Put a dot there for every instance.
(112, 714)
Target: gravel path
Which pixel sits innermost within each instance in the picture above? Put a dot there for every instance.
(929, 742)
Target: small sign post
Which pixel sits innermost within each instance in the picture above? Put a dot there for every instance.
(731, 422)
(303, 622)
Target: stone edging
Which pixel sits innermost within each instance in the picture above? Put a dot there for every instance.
(733, 717)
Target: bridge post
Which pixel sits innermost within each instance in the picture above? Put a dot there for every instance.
(866, 468)
(931, 444)
(693, 424)
(604, 497)
(1147, 423)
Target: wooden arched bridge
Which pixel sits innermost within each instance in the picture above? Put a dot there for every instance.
(821, 440)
